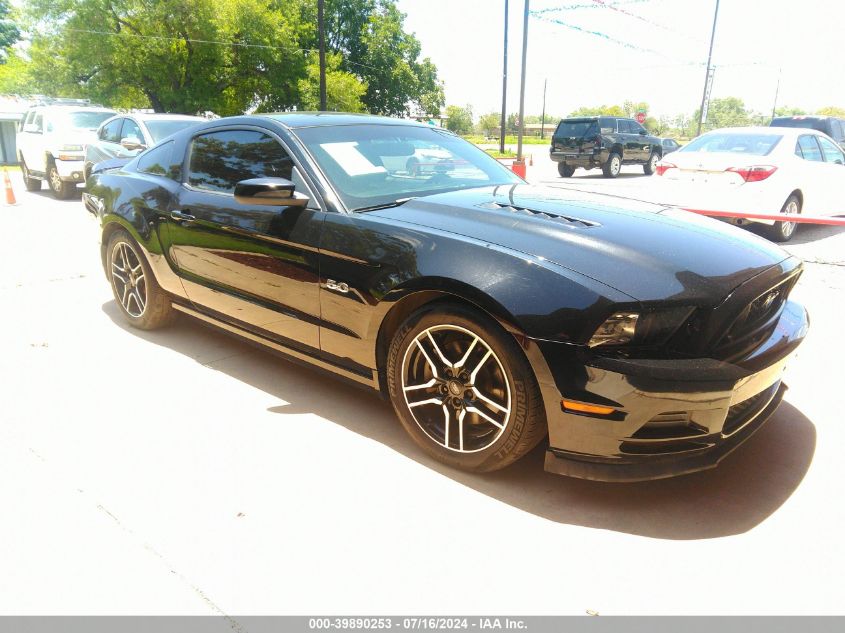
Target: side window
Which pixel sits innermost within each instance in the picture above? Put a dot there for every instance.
(157, 160)
(835, 129)
(636, 128)
(27, 119)
(832, 154)
(607, 125)
(219, 160)
(38, 120)
(625, 126)
(111, 132)
(810, 148)
(130, 128)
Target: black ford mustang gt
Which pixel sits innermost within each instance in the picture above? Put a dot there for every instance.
(643, 341)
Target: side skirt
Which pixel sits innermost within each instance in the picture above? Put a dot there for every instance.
(291, 354)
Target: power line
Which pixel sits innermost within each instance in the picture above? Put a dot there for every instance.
(614, 7)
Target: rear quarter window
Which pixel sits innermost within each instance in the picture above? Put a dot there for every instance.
(159, 162)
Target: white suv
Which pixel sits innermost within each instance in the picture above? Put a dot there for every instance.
(51, 143)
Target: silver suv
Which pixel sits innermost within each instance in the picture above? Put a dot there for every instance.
(51, 142)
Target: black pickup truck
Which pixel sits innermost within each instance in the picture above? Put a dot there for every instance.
(603, 141)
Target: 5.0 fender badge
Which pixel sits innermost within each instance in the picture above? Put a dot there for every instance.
(340, 286)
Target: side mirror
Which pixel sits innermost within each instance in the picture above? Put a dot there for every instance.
(274, 192)
(132, 143)
(31, 127)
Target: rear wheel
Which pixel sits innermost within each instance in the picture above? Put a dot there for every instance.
(651, 164)
(613, 166)
(30, 183)
(565, 170)
(61, 189)
(142, 302)
(783, 231)
(463, 389)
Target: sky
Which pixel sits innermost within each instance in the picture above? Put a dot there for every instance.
(639, 50)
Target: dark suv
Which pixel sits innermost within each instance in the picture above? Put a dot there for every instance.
(833, 127)
(603, 141)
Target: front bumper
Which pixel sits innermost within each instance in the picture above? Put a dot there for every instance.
(672, 417)
(71, 170)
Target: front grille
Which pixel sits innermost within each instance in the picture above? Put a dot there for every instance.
(743, 412)
(669, 425)
(756, 322)
(561, 219)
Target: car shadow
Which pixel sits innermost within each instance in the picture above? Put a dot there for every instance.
(746, 488)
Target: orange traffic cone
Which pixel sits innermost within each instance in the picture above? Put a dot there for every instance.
(10, 193)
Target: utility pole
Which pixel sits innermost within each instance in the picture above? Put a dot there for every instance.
(504, 86)
(777, 89)
(321, 28)
(522, 84)
(707, 76)
(543, 116)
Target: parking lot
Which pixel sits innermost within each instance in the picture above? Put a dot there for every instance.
(185, 472)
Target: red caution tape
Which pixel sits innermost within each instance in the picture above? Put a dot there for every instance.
(777, 217)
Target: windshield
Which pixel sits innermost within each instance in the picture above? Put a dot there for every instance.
(576, 129)
(160, 129)
(372, 165)
(734, 143)
(80, 120)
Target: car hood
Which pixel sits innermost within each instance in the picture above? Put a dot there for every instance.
(646, 251)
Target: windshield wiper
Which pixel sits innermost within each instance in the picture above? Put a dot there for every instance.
(386, 205)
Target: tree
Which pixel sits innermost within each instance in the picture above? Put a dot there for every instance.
(459, 120)
(788, 111)
(15, 77)
(832, 111)
(9, 32)
(489, 124)
(370, 36)
(602, 110)
(344, 90)
(723, 112)
(166, 54)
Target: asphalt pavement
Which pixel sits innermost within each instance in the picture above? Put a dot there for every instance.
(185, 472)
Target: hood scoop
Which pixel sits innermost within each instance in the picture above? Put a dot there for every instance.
(559, 219)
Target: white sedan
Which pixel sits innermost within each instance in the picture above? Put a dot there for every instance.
(767, 170)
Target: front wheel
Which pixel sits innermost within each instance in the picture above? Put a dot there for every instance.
(783, 231)
(463, 389)
(61, 190)
(565, 170)
(613, 166)
(142, 302)
(651, 165)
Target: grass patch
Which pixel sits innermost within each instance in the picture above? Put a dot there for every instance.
(509, 140)
(497, 154)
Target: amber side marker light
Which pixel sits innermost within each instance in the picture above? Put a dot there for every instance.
(569, 405)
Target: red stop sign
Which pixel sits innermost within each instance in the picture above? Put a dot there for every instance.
(640, 117)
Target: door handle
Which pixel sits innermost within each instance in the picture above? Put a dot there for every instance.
(181, 216)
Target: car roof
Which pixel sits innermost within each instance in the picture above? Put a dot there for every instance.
(162, 116)
(317, 119)
(762, 131)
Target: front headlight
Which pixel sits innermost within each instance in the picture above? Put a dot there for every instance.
(647, 328)
(70, 148)
(618, 329)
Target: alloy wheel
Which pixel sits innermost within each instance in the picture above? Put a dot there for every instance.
(615, 165)
(456, 388)
(788, 228)
(128, 279)
(55, 179)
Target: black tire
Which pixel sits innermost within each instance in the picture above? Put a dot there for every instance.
(61, 190)
(150, 308)
(29, 183)
(503, 374)
(613, 165)
(651, 164)
(565, 170)
(783, 231)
